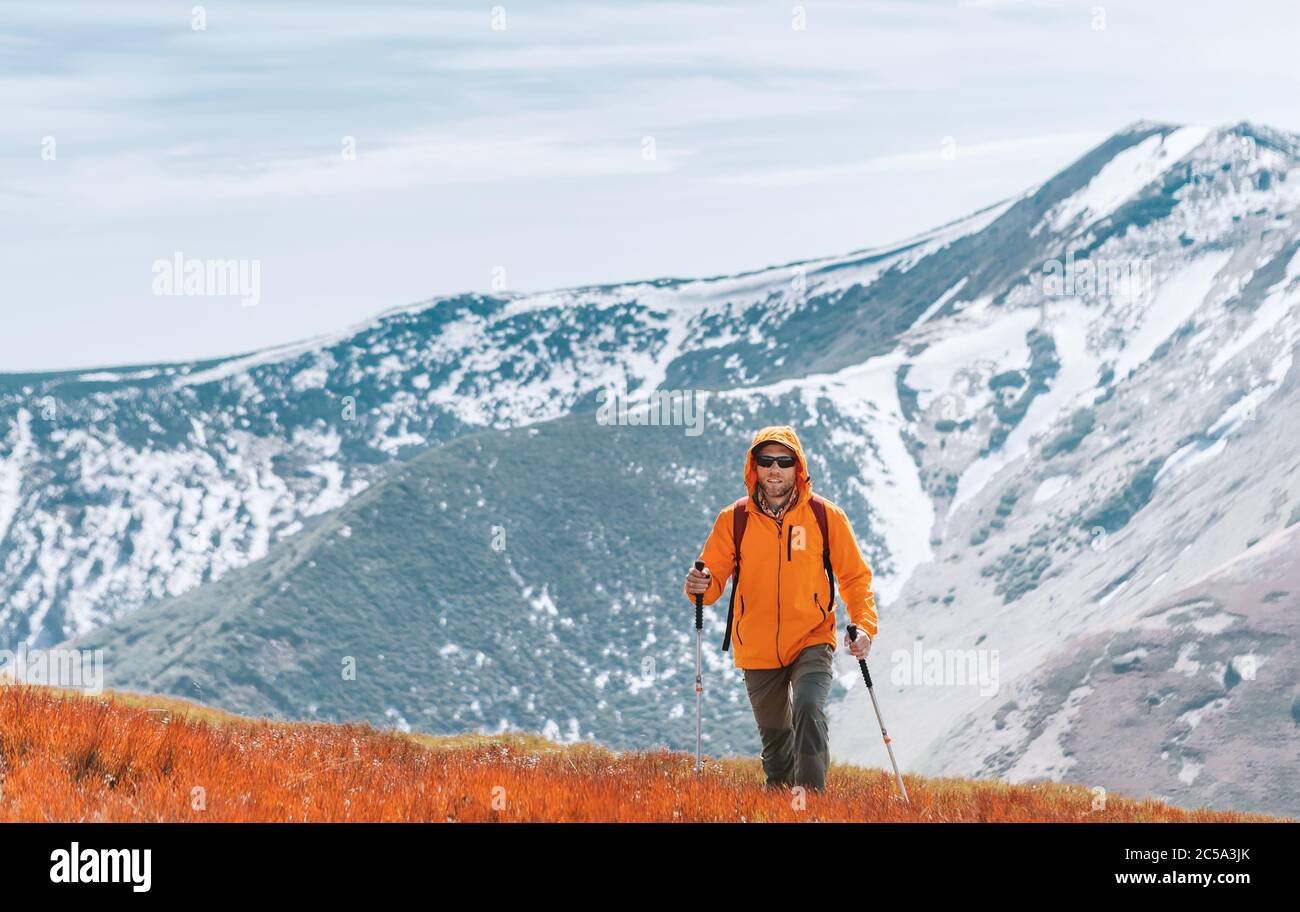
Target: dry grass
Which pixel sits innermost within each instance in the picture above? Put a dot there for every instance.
(67, 756)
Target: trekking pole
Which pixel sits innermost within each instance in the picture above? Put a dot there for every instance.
(866, 676)
(699, 679)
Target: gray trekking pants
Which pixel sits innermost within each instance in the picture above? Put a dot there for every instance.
(790, 709)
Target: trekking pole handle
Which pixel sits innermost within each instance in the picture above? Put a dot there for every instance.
(699, 599)
(866, 675)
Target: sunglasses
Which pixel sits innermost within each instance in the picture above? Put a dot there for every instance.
(766, 461)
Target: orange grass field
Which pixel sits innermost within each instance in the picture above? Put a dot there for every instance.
(70, 757)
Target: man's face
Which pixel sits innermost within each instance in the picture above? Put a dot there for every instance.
(776, 481)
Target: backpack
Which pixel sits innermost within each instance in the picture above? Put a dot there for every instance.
(739, 517)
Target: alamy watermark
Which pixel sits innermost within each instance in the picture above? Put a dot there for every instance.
(192, 277)
(75, 865)
(666, 408)
(79, 668)
(945, 668)
(1089, 277)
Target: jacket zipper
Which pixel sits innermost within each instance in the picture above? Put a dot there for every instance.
(778, 592)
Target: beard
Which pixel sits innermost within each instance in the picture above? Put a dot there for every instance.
(777, 487)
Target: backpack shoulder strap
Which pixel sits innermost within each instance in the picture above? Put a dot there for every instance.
(819, 510)
(739, 516)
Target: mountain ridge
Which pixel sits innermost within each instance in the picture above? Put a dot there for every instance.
(1014, 460)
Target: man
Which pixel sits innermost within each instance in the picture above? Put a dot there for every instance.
(784, 614)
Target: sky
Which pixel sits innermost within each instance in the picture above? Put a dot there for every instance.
(368, 156)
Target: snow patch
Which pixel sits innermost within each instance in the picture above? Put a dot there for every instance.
(1126, 174)
(1177, 298)
(1190, 771)
(1186, 664)
(1050, 487)
(938, 305)
(1045, 757)
(1215, 623)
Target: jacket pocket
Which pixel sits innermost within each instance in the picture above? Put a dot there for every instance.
(740, 620)
(817, 602)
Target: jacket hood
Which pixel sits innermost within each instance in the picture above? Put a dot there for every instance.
(779, 433)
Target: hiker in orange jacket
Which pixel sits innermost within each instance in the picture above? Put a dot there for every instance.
(783, 611)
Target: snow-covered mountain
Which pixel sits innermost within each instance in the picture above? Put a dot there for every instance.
(119, 486)
(1052, 423)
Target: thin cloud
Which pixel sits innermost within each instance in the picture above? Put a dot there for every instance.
(909, 161)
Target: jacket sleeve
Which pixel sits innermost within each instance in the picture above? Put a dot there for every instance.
(719, 556)
(852, 572)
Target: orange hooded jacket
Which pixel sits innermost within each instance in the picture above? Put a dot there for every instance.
(782, 603)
